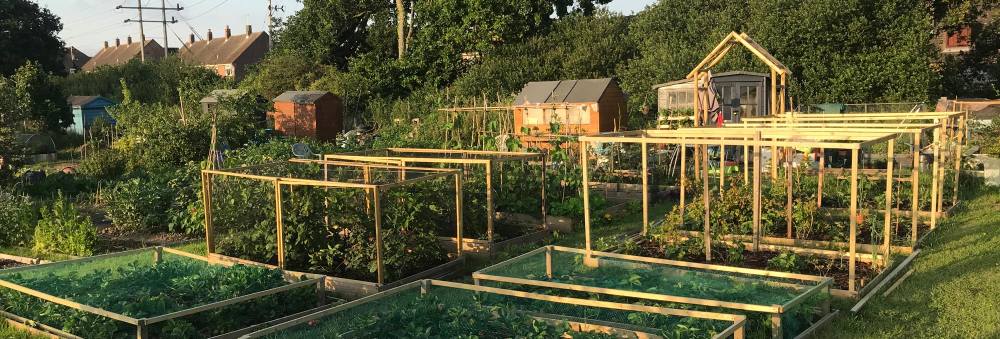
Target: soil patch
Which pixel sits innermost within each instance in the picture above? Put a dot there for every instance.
(4, 264)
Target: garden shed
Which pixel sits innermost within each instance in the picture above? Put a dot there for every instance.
(740, 94)
(316, 114)
(86, 110)
(581, 107)
(211, 101)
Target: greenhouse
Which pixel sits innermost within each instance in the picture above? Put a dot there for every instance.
(440, 309)
(366, 226)
(150, 292)
(504, 184)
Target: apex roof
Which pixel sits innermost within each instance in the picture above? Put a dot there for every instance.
(301, 97)
(584, 90)
(220, 50)
(120, 54)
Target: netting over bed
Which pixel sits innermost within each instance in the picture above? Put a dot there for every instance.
(466, 311)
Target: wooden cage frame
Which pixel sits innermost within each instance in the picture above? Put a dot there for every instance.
(736, 330)
(756, 139)
(295, 281)
(822, 284)
(347, 287)
(489, 162)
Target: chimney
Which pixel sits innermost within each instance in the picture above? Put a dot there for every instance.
(209, 34)
(118, 42)
(228, 32)
(191, 38)
(249, 31)
(129, 40)
(105, 44)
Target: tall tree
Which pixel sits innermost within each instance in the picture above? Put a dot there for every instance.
(28, 33)
(331, 31)
(400, 28)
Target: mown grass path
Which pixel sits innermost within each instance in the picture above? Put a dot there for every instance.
(954, 291)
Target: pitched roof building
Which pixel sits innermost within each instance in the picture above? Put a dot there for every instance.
(74, 59)
(581, 106)
(120, 54)
(228, 55)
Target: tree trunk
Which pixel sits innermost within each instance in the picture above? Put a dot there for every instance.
(400, 28)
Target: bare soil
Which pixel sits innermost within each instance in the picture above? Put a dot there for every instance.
(4, 264)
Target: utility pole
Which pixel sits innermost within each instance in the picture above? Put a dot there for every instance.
(270, 21)
(142, 34)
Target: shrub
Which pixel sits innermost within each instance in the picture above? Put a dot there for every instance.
(138, 205)
(786, 262)
(68, 184)
(103, 164)
(63, 230)
(17, 218)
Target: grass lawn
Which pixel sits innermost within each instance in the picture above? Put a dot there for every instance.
(954, 291)
(8, 332)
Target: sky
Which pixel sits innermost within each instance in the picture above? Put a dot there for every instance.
(88, 23)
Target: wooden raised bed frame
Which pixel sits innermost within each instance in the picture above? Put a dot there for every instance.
(142, 325)
(736, 330)
(775, 311)
(487, 159)
(748, 138)
(346, 287)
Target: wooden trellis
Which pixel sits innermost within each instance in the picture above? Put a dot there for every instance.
(488, 160)
(755, 139)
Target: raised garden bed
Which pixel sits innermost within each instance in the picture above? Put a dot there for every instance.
(365, 226)
(776, 304)
(153, 292)
(439, 309)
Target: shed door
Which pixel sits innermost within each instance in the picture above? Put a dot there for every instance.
(739, 99)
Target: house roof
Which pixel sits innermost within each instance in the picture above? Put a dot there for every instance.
(585, 90)
(74, 58)
(301, 97)
(219, 50)
(117, 55)
(83, 100)
(714, 76)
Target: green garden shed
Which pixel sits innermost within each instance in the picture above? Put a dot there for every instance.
(86, 110)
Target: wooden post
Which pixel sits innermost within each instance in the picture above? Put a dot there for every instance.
(915, 190)
(366, 176)
(854, 220)
(776, 326)
(206, 192)
(935, 176)
(645, 189)
(945, 139)
(321, 291)
(545, 212)
(746, 162)
(379, 261)
(722, 166)
(585, 178)
(548, 262)
(705, 197)
(756, 191)
(788, 191)
(490, 205)
(959, 140)
(158, 255)
(459, 218)
(822, 177)
(683, 171)
(774, 162)
(142, 330)
(889, 179)
(784, 92)
(774, 93)
(279, 223)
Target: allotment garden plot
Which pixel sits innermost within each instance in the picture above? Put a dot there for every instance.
(438, 309)
(777, 304)
(366, 226)
(503, 191)
(153, 292)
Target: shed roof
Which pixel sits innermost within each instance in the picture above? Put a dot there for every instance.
(301, 97)
(83, 100)
(117, 55)
(714, 77)
(213, 97)
(585, 90)
(220, 50)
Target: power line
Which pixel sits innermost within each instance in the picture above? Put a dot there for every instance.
(209, 10)
(142, 35)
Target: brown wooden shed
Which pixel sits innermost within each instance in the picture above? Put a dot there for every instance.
(584, 106)
(316, 114)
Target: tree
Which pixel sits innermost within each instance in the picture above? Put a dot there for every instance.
(586, 7)
(330, 31)
(45, 107)
(151, 82)
(29, 34)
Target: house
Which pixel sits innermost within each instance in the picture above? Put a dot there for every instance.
(86, 110)
(74, 59)
(739, 93)
(315, 114)
(211, 101)
(579, 107)
(121, 54)
(229, 55)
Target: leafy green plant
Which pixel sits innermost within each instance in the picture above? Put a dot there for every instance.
(62, 229)
(17, 219)
(104, 164)
(138, 205)
(787, 261)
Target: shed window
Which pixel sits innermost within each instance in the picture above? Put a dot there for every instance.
(680, 99)
(534, 116)
(748, 100)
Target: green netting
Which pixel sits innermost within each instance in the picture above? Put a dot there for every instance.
(446, 312)
(639, 276)
(134, 285)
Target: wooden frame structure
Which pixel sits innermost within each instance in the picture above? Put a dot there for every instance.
(815, 284)
(700, 73)
(488, 160)
(755, 139)
(736, 330)
(142, 325)
(949, 130)
(373, 191)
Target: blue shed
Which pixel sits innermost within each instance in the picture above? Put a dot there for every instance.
(87, 109)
